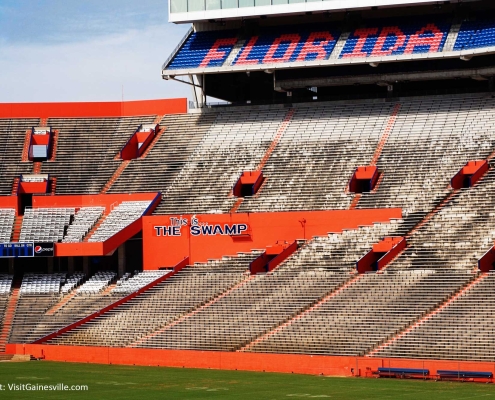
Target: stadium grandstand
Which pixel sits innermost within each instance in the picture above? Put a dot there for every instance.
(331, 213)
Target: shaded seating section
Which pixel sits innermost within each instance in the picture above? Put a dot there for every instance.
(458, 235)
(431, 141)
(166, 302)
(84, 220)
(157, 171)
(45, 224)
(86, 151)
(97, 283)
(7, 218)
(464, 330)
(5, 284)
(315, 42)
(119, 218)
(396, 37)
(34, 321)
(72, 282)
(312, 164)
(196, 49)
(236, 142)
(288, 44)
(13, 134)
(272, 45)
(132, 283)
(42, 283)
(365, 314)
(476, 33)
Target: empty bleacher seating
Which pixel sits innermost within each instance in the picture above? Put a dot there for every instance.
(97, 283)
(312, 164)
(52, 301)
(45, 224)
(13, 133)
(197, 46)
(72, 282)
(7, 218)
(236, 142)
(476, 33)
(84, 221)
(41, 283)
(119, 218)
(447, 132)
(157, 171)
(139, 280)
(164, 303)
(313, 303)
(315, 42)
(458, 235)
(369, 311)
(86, 151)
(5, 284)
(464, 330)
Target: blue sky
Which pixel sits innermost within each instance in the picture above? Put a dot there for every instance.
(86, 50)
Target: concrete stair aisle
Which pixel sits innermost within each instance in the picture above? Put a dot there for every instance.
(448, 198)
(192, 313)
(97, 225)
(16, 231)
(36, 167)
(115, 176)
(53, 152)
(25, 148)
(53, 185)
(9, 314)
(61, 303)
(298, 316)
(15, 186)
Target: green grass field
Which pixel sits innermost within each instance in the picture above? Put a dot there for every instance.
(121, 382)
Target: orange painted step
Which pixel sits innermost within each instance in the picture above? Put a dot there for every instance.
(115, 176)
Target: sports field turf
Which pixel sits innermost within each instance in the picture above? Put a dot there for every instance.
(121, 382)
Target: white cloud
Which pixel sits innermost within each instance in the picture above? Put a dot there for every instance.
(92, 70)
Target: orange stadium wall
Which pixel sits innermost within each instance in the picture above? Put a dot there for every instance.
(263, 229)
(102, 200)
(285, 363)
(10, 202)
(92, 200)
(93, 109)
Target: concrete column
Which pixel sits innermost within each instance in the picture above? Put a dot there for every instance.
(50, 262)
(71, 265)
(11, 266)
(122, 264)
(86, 266)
